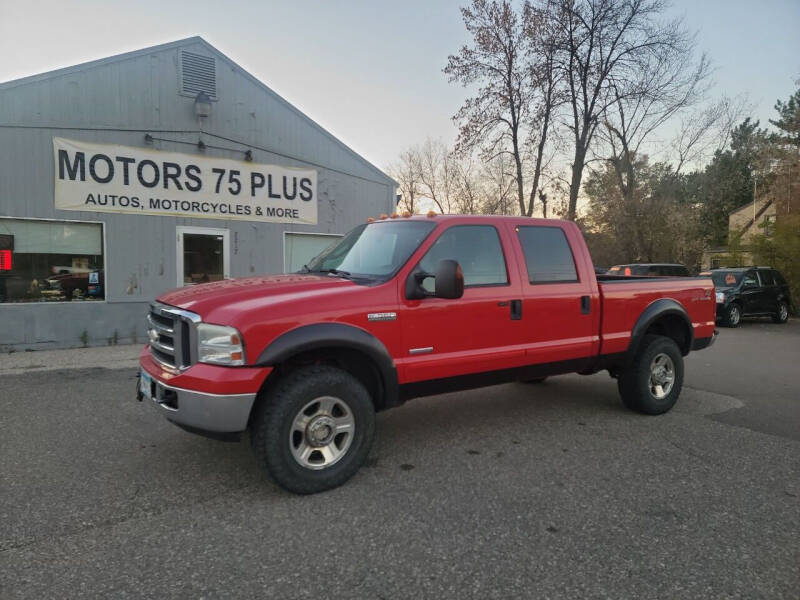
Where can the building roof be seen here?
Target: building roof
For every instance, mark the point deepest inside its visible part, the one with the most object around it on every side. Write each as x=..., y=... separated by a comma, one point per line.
x=176, y=44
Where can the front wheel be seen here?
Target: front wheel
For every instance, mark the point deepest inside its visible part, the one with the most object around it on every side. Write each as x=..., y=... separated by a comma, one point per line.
x=652, y=384
x=782, y=314
x=733, y=315
x=315, y=429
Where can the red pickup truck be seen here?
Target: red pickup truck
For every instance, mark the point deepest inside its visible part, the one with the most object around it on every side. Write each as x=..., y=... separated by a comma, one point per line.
x=401, y=308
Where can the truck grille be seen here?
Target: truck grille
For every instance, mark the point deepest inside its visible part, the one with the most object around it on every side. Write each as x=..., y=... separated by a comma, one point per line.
x=173, y=335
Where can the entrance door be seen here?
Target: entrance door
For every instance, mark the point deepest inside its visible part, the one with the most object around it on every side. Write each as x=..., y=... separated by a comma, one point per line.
x=300, y=248
x=203, y=255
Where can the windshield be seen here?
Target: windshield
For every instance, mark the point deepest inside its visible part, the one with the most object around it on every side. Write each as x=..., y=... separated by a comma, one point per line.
x=726, y=278
x=374, y=251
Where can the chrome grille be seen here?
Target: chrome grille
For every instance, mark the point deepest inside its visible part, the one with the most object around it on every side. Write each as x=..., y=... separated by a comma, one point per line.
x=173, y=335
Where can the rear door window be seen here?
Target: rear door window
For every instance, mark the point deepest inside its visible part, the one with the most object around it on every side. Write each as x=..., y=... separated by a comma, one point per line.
x=766, y=277
x=548, y=256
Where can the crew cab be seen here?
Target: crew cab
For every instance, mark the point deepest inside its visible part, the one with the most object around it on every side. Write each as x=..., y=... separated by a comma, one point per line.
x=402, y=308
x=750, y=292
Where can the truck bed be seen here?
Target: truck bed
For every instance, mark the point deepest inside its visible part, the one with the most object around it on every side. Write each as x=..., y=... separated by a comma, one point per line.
x=623, y=299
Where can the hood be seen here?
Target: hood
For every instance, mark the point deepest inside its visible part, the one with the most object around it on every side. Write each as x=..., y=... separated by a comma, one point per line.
x=251, y=292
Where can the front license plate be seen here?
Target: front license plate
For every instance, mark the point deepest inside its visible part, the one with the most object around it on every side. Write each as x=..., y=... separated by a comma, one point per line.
x=145, y=386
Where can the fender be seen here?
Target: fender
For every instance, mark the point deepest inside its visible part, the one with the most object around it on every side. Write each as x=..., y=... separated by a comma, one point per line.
x=328, y=335
x=658, y=309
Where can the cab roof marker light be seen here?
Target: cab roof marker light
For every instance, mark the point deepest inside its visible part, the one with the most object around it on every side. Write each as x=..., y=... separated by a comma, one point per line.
x=383, y=216
x=431, y=213
x=394, y=215
x=406, y=214
x=370, y=219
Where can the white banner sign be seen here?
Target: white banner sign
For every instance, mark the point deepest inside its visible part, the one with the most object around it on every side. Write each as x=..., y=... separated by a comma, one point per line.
x=140, y=181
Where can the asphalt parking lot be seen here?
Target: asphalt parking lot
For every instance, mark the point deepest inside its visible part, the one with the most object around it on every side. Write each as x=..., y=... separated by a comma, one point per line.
x=515, y=491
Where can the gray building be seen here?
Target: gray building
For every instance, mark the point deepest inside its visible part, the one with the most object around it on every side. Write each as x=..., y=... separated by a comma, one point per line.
x=129, y=176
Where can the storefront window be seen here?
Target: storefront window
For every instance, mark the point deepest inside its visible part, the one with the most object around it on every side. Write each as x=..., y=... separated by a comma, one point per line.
x=51, y=261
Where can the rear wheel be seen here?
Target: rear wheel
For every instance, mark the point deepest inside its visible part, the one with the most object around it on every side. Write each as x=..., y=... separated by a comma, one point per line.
x=315, y=429
x=782, y=314
x=652, y=384
x=733, y=315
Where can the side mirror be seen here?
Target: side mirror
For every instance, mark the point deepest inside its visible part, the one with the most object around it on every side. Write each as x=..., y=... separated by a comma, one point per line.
x=448, y=277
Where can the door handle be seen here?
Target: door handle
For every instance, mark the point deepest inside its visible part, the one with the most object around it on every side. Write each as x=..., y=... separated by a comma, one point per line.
x=586, y=305
x=516, y=310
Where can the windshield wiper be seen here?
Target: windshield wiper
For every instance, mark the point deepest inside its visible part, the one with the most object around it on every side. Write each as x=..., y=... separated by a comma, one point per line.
x=337, y=272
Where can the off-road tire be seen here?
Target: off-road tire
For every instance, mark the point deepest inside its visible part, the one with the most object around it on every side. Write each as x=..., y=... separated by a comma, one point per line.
x=634, y=382
x=731, y=318
x=782, y=313
x=272, y=423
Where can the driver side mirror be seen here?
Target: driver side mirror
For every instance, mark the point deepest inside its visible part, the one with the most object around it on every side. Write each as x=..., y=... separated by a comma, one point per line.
x=449, y=282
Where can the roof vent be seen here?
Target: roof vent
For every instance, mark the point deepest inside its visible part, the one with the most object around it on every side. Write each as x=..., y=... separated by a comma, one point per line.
x=198, y=74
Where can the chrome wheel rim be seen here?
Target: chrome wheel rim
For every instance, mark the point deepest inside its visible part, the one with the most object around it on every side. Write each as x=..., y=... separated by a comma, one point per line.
x=322, y=432
x=734, y=315
x=783, y=312
x=662, y=376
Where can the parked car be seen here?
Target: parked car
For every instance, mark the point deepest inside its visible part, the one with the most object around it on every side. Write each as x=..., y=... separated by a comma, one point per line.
x=403, y=308
x=750, y=292
x=650, y=270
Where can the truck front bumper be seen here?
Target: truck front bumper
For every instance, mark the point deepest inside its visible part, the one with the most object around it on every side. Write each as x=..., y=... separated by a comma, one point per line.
x=205, y=399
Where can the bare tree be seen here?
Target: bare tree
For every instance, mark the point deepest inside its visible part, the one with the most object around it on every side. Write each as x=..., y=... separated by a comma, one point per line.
x=608, y=46
x=467, y=186
x=407, y=174
x=707, y=130
x=511, y=59
x=437, y=172
x=499, y=185
x=666, y=83
x=543, y=43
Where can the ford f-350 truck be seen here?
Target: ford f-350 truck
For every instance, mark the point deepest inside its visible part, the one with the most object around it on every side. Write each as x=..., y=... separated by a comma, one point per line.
x=401, y=308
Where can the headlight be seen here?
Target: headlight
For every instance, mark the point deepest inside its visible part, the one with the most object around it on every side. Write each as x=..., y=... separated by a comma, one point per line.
x=720, y=297
x=219, y=345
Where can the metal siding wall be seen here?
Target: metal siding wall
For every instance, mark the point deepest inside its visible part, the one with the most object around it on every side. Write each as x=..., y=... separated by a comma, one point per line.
x=141, y=94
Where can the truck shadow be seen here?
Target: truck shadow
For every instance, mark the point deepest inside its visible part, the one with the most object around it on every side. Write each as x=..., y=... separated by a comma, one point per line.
x=491, y=420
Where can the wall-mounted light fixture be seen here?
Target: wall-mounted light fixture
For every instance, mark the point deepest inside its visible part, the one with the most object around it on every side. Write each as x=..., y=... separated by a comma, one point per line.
x=248, y=155
x=202, y=105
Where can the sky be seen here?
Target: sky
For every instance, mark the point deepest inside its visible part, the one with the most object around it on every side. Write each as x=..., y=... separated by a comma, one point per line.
x=370, y=72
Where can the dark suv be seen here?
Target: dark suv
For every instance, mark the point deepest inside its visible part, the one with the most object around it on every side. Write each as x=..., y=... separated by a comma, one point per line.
x=650, y=270
x=750, y=292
